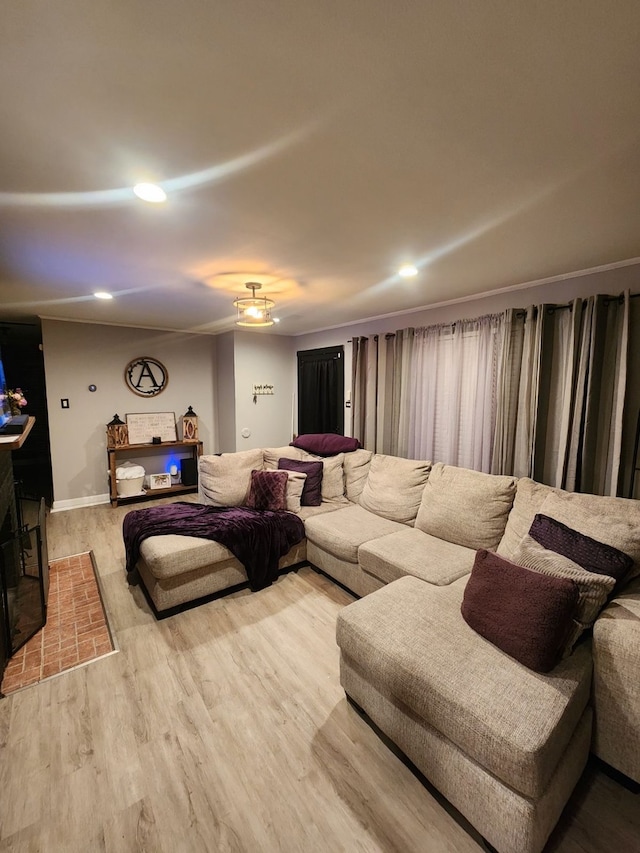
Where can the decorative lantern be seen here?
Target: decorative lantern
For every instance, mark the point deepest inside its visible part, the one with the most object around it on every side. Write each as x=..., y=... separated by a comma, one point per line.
x=117, y=433
x=189, y=425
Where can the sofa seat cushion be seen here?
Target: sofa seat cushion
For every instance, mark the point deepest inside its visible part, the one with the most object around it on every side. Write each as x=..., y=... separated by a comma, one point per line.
x=466, y=507
x=306, y=512
x=412, y=552
x=410, y=641
x=171, y=555
x=342, y=532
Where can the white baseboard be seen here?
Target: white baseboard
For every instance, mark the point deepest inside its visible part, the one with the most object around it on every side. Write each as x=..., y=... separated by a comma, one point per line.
x=76, y=503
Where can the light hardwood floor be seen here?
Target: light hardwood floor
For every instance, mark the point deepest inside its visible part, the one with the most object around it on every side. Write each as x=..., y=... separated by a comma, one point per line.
x=224, y=728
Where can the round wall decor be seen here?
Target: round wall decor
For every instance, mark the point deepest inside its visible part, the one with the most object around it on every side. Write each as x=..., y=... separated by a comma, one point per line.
x=146, y=377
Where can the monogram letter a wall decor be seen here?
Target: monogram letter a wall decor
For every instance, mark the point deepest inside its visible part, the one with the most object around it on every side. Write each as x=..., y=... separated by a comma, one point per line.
x=146, y=377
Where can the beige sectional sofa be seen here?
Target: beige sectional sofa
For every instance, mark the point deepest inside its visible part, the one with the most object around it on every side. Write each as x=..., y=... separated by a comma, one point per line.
x=505, y=745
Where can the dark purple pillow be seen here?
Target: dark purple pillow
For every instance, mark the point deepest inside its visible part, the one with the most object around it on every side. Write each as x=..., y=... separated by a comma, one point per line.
x=526, y=614
x=268, y=490
x=325, y=443
x=588, y=553
x=312, y=490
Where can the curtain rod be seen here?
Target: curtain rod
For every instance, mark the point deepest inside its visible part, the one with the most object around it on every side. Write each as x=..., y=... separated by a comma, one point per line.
x=522, y=313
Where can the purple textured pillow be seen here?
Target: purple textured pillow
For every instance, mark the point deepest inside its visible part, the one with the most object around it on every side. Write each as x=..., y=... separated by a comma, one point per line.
x=312, y=491
x=325, y=443
x=588, y=553
x=526, y=614
x=268, y=490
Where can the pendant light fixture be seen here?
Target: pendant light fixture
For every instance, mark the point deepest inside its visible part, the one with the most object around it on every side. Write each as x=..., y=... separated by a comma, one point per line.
x=254, y=311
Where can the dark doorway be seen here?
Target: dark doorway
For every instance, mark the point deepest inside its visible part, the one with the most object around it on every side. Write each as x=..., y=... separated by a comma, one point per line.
x=321, y=390
x=21, y=347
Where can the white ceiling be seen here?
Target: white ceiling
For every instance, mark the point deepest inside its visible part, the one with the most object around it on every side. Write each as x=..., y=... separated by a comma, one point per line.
x=318, y=143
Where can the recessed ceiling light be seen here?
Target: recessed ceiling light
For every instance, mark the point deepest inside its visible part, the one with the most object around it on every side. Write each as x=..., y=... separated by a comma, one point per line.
x=407, y=271
x=150, y=192
x=102, y=294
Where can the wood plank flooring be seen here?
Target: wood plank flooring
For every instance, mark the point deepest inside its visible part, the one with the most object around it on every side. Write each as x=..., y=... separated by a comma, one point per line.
x=224, y=728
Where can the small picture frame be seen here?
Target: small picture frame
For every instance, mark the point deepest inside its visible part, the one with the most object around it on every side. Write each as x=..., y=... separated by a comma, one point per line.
x=159, y=481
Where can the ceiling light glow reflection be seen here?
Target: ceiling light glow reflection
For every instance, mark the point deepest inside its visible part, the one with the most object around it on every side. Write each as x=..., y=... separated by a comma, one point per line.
x=407, y=271
x=102, y=294
x=150, y=192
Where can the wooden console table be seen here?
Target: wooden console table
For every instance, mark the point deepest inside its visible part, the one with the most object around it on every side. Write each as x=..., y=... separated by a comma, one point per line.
x=194, y=447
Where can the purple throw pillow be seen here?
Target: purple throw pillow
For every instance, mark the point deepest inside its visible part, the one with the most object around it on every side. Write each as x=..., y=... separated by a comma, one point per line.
x=526, y=614
x=312, y=490
x=325, y=443
x=268, y=490
x=591, y=555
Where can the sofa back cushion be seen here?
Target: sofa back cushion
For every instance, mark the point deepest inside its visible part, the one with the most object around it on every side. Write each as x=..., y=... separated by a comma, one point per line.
x=273, y=454
x=225, y=480
x=394, y=487
x=466, y=507
x=529, y=498
x=356, y=471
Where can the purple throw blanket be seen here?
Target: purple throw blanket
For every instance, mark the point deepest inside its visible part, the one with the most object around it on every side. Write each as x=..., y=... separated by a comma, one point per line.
x=257, y=538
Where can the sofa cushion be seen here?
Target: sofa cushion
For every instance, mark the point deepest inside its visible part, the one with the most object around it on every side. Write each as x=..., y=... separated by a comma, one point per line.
x=526, y=614
x=356, y=471
x=614, y=521
x=268, y=491
x=529, y=498
x=342, y=532
x=466, y=507
x=312, y=492
x=171, y=555
x=325, y=443
x=225, y=480
x=410, y=641
x=411, y=552
x=271, y=455
x=311, y=511
x=593, y=589
x=394, y=487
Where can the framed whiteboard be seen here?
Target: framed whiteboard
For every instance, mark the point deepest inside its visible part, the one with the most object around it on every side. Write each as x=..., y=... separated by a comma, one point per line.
x=145, y=426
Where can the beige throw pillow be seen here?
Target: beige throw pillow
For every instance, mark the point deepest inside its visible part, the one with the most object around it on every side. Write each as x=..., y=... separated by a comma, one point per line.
x=295, y=485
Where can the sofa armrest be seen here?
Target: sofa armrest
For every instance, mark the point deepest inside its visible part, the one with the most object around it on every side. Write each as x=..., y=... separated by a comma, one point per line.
x=616, y=682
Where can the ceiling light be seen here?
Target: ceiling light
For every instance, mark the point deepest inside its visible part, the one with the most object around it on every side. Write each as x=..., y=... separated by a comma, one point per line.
x=102, y=294
x=407, y=271
x=150, y=192
x=254, y=311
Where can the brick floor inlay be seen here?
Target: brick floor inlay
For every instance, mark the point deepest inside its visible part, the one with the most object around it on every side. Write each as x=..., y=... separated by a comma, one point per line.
x=76, y=630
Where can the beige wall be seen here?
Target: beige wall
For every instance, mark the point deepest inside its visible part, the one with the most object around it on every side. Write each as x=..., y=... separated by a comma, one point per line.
x=77, y=355
x=263, y=359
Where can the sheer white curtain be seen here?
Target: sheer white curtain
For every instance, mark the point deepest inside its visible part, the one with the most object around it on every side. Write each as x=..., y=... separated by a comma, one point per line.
x=452, y=405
